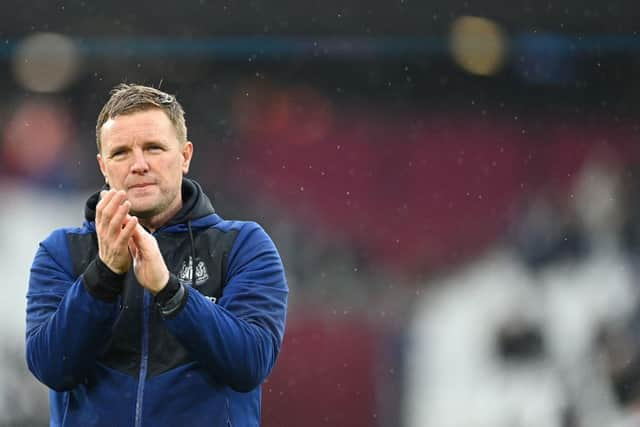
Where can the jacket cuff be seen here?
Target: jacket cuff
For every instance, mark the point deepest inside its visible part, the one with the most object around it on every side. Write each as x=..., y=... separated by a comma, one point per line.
x=172, y=298
x=101, y=282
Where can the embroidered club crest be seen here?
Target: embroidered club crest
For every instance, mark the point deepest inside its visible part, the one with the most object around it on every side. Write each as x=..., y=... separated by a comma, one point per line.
x=185, y=275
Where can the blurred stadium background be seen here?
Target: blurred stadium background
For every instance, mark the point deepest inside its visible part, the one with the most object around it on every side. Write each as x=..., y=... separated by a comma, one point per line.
x=453, y=186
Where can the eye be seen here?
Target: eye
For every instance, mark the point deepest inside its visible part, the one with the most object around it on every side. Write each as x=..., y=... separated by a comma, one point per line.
x=117, y=153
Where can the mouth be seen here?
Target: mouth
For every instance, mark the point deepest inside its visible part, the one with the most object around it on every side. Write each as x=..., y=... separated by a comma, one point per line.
x=140, y=185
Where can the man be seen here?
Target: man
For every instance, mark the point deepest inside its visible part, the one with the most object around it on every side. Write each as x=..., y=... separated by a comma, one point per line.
x=156, y=312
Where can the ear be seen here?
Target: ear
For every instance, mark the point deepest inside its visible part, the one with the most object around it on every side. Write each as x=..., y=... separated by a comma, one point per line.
x=187, y=154
x=103, y=168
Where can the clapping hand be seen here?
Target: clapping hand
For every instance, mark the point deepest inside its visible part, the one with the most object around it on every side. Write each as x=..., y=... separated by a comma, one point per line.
x=148, y=264
x=114, y=228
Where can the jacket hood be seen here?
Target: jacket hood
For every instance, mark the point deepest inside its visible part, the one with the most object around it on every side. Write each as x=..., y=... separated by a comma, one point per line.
x=195, y=204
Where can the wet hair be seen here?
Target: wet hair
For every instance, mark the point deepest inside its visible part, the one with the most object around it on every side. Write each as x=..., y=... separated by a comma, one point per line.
x=130, y=98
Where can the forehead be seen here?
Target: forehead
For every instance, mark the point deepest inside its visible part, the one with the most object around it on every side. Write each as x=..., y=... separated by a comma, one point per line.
x=138, y=127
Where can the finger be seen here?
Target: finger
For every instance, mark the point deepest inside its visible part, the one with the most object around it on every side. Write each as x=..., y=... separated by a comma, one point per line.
x=106, y=205
x=138, y=236
x=105, y=197
x=127, y=217
x=144, y=240
x=133, y=248
x=118, y=220
x=111, y=208
x=127, y=231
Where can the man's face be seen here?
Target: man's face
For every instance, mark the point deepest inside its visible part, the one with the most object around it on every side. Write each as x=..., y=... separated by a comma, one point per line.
x=141, y=155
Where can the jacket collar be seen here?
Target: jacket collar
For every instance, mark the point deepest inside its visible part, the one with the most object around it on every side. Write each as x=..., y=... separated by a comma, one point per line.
x=196, y=207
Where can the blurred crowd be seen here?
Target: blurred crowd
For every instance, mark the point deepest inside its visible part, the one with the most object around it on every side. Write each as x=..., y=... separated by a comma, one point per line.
x=543, y=328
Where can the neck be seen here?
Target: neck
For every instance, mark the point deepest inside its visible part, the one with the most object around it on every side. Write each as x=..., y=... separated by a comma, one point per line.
x=154, y=222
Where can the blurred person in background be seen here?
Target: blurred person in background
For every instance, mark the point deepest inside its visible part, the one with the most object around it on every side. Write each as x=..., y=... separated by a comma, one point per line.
x=156, y=311
x=540, y=331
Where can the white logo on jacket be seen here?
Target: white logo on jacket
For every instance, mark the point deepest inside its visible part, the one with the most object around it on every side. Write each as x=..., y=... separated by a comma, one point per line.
x=185, y=275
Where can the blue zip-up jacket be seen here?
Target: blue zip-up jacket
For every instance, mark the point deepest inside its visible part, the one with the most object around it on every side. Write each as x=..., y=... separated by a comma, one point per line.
x=113, y=355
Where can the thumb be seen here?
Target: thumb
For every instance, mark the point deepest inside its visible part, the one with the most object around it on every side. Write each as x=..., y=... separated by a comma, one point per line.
x=138, y=235
x=133, y=248
x=138, y=241
x=143, y=240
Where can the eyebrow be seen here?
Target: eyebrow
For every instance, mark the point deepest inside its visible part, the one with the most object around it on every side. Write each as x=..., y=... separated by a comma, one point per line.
x=144, y=144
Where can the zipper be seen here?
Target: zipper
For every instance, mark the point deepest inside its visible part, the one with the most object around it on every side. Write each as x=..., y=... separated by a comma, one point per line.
x=144, y=356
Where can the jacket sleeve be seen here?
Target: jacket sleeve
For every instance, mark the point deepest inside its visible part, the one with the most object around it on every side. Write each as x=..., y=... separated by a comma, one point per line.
x=238, y=339
x=66, y=325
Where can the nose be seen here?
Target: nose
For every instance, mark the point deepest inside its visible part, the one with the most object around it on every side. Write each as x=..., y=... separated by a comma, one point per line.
x=139, y=164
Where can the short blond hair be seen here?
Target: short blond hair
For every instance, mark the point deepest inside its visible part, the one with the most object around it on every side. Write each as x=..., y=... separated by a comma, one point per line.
x=130, y=98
